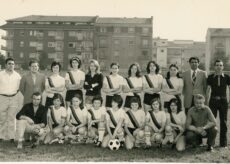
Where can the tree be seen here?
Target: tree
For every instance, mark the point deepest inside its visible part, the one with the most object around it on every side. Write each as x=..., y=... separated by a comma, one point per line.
x=43, y=60
x=2, y=61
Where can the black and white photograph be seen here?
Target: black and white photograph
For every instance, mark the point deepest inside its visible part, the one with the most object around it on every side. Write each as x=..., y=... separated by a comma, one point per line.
x=115, y=81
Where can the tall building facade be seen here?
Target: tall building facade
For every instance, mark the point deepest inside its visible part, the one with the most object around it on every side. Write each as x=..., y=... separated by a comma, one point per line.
x=218, y=47
x=48, y=38
x=177, y=52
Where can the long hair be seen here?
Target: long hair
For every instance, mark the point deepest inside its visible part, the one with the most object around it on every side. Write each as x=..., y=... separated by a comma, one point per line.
x=95, y=62
x=138, y=73
x=157, y=67
x=168, y=73
x=178, y=104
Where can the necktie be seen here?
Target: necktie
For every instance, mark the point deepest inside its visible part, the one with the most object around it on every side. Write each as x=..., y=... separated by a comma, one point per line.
x=194, y=77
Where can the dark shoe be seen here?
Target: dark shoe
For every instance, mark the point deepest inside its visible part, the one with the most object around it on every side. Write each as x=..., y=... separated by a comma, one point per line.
x=173, y=146
x=210, y=148
x=122, y=144
x=11, y=140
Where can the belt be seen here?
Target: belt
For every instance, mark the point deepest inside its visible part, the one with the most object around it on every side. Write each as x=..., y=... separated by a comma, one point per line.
x=9, y=95
x=218, y=97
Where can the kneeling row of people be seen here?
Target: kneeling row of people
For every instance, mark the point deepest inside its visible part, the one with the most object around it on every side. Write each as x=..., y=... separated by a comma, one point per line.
x=133, y=128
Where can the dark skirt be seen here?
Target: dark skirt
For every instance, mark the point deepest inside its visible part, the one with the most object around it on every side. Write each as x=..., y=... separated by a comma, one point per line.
x=149, y=97
x=71, y=93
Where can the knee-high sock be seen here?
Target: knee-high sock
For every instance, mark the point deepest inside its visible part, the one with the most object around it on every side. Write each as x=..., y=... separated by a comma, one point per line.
x=101, y=133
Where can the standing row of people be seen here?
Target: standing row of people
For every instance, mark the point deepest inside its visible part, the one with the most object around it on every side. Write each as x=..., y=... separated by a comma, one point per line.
x=150, y=86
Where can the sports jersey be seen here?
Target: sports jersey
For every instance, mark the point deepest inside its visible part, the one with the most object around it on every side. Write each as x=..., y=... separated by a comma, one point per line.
x=136, y=82
x=156, y=80
x=80, y=113
x=117, y=115
x=58, y=114
x=139, y=117
x=116, y=81
x=96, y=113
x=78, y=76
x=57, y=81
x=160, y=117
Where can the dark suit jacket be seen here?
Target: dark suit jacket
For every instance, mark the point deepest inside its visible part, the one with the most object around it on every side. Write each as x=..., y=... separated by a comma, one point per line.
x=198, y=88
x=27, y=86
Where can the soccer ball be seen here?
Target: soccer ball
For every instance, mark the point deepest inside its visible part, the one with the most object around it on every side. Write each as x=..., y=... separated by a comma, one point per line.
x=114, y=144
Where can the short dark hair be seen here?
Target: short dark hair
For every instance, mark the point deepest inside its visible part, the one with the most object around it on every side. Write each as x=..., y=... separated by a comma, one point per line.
x=33, y=61
x=114, y=63
x=168, y=73
x=80, y=98
x=154, y=100
x=76, y=59
x=199, y=97
x=9, y=59
x=54, y=63
x=157, y=67
x=135, y=99
x=218, y=61
x=194, y=58
x=36, y=94
x=138, y=73
x=58, y=96
x=117, y=99
x=99, y=98
x=178, y=104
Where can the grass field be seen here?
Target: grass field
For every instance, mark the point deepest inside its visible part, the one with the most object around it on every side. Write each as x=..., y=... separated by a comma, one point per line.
x=83, y=152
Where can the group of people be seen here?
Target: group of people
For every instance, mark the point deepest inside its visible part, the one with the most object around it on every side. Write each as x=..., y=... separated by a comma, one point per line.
x=139, y=110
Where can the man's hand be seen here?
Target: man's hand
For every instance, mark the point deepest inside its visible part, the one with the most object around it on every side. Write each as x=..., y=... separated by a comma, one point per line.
x=30, y=121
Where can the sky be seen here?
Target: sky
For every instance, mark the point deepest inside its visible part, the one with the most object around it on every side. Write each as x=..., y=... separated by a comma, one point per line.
x=172, y=19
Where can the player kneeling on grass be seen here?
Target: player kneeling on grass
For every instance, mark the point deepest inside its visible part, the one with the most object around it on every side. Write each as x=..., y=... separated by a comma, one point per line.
x=77, y=119
x=155, y=124
x=175, y=126
x=134, y=124
x=115, y=117
x=56, y=117
x=96, y=120
x=31, y=119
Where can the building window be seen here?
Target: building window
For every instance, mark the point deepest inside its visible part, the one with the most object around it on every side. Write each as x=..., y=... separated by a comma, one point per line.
x=21, y=44
x=145, y=30
x=22, y=33
x=59, y=35
x=117, y=29
x=103, y=30
x=33, y=44
x=131, y=30
x=116, y=53
x=102, y=43
x=51, y=33
x=72, y=33
x=39, y=46
x=59, y=46
x=51, y=44
x=162, y=51
x=31, y=33
x=145, y=53
x=32, y=55
x=71, y=56
x=39, y=33
x=79, y=35
x=116, y=42
x=10, y=33
x=145, y=43
x=102, y=55
x=154, y=43
x=21, y=55
x=71, y=44
x=131, y=42
x=52, y=55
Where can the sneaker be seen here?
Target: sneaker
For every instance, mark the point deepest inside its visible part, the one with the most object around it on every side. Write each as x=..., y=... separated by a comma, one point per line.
x=19, y=145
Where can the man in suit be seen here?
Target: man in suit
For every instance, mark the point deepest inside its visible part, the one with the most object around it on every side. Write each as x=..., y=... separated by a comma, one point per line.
x=32, y=82
x=194, y=83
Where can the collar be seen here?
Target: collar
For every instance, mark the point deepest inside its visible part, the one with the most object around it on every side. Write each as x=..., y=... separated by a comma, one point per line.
x=217, y=75
x=195, y=70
